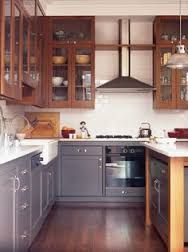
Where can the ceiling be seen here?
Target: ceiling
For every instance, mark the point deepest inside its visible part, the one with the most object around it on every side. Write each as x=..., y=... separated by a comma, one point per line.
x=113, y=7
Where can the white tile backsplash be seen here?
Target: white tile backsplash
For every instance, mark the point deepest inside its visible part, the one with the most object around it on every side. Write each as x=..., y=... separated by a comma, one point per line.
x=122, y=114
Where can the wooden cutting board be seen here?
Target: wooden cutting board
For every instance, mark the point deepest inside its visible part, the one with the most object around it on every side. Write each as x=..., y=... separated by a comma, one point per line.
x=44, y=124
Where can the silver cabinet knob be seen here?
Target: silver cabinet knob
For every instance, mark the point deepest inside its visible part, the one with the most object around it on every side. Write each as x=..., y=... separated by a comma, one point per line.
x=24, y=206
x=163, y=171
x=24, y=172
x=85, y=150
x=74, y=42
x=100, y=166
x=25, y=188
x=124, y=192
x=78, y=150
x=24, y=236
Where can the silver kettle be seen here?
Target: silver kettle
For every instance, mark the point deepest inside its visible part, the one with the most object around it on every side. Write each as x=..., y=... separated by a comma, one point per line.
x=145, y=130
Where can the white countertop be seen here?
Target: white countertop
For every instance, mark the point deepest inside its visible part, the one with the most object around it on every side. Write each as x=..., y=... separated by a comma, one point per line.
x=105, y=140
x=17, y=152
x=178, y=149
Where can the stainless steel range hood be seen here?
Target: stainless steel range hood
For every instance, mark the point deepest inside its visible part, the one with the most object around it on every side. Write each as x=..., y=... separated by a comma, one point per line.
x=124, y=83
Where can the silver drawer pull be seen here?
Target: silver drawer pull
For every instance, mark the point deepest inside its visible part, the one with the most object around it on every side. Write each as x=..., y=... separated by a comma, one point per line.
x=124, y=192
x=100, y=166
x=157, y=185
x=24, y=172
x=24, y=236
x=163, y=171
x=18, y=184
x=78, y=150
x=24, y=206
x=100, y=159
x=85, y=150
x=25, y=188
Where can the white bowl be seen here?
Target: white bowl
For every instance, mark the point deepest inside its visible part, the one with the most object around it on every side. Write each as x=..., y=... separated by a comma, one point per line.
x=57, y=81
x=20, y=136
x=65, y=83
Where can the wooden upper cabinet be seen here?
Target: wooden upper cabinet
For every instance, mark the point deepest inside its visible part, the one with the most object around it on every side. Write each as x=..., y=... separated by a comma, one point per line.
x=72, y=30
x=71, y=62
x=10, y=49
x=171, y=84
x=33, y=53
x=167, y=30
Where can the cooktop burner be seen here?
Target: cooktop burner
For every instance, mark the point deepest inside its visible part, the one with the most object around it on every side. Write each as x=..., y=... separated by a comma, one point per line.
x=113, y=136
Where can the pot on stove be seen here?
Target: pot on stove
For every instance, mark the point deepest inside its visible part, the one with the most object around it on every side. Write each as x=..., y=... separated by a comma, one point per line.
x=145, y=130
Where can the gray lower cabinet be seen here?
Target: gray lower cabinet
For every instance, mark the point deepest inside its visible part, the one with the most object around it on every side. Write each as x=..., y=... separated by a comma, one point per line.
x=8, y=184
x=23, y=204
x=48, y=185
x=15, y=207
x=159, y=196
x=43, y=194
x=36, y=199
x=81, y=171
x=26, y=197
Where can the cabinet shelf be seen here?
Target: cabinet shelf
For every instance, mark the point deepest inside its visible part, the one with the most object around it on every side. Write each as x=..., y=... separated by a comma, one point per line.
x=60, y=86
x=113, y=47
x=59, y=65
x=83, y=65
x=82, y=86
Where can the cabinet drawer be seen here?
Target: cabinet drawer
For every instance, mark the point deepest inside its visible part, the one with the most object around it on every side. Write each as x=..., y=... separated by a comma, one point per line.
x=126, y=192
x=82, y=150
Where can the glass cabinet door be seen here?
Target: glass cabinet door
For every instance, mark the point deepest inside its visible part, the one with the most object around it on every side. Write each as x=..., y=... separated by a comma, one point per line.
x=72, y=29
x=60, y=76
x=10, y=47
x=17, y=17
x=33, y=53
x=182, y=88
x=83, y=74
x=26, y=31
x=7, y=44
x=165, y=80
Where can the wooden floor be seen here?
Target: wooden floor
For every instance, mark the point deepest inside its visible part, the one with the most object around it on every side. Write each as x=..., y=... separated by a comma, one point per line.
x=97, y=229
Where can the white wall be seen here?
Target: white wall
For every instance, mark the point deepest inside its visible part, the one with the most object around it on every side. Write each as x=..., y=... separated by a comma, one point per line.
x=122, y=114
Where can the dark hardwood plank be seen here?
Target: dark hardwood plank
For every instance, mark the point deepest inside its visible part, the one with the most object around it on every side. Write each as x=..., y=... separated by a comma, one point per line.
x=97, y=229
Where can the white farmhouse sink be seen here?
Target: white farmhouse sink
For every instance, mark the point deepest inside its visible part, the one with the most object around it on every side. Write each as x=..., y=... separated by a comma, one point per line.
x=49, y=148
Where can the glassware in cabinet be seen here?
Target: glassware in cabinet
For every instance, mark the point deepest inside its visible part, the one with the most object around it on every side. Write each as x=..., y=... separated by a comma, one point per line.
x=83, y=74
x=73, y=29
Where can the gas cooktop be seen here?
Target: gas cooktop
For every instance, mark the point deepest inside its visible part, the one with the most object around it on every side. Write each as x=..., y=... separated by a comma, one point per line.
x=114, y=136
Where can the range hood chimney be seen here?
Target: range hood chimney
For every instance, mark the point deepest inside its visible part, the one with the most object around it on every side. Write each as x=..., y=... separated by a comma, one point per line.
x=124, y=83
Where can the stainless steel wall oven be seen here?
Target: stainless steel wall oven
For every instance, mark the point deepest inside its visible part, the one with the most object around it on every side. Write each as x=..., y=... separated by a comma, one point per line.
x=124, y=170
